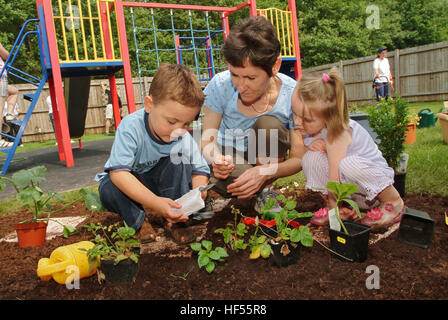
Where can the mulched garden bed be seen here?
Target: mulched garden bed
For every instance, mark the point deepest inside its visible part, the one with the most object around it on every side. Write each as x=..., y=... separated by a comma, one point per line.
x=406, y=271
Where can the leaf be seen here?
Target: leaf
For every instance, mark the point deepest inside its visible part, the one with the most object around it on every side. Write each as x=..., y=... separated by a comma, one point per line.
x=2, y=185
x=222, y=252
x=210, y=267
x=203, y=260
x=354, y=206
x=22, y=178
x=290, y=205
x=92, y=201
x=69, y=231
x=214, y=255
x=207, y=245
x=266, y=250
x=255, y=252
x=295, y=235
x=196, y=246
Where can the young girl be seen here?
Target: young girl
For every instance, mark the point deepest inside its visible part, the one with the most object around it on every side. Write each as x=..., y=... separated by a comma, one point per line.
x=342, y=150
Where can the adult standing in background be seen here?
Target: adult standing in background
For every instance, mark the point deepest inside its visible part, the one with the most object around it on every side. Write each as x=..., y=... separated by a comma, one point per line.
x=383, y=77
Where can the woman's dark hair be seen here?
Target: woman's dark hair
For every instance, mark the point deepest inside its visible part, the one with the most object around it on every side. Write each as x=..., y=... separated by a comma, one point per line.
x=253, y=40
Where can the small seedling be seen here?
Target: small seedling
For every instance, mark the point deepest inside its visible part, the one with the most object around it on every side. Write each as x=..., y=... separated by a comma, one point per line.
x=207, y=256
x=234, y=233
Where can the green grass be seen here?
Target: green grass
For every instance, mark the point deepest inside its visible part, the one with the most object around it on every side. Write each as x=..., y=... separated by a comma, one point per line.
x=28, y=146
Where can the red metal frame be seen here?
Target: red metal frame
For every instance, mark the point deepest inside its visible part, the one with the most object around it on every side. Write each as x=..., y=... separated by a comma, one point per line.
x=295, y=30
x=56, y=89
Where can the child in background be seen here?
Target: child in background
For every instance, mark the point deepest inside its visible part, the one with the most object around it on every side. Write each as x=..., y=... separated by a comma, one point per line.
x=140, y=175
x=343, y=151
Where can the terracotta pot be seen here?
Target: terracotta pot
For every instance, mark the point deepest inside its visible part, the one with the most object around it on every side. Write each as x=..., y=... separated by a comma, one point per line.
x=31, y=234
x=411, y=135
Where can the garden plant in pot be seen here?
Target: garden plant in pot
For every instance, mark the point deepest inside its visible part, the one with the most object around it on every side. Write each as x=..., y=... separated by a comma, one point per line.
x=32, y=232
x=116, y=250
x=285, y=239
x=390, y=119
x=350, y=243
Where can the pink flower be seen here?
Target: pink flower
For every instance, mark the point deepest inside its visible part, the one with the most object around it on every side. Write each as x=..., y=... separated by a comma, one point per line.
x=374, y=214
x=322, y=212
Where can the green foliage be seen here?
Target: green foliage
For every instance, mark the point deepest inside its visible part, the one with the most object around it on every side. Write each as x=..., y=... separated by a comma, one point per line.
x=234, y=233
x=29, y=192
x=207, y=255
x=389, y=120
x=341, y=192
x=113, y=242
x=260, y=244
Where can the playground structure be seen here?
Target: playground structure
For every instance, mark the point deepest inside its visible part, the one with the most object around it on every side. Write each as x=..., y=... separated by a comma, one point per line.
x=81, y=39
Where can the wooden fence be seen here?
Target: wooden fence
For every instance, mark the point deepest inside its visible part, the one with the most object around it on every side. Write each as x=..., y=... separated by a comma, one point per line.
x=39, y=127
x=420, y=74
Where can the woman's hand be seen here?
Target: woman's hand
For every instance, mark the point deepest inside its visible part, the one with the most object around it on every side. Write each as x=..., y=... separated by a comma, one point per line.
x=247, y=184
x=164, y=207
x=222, y=166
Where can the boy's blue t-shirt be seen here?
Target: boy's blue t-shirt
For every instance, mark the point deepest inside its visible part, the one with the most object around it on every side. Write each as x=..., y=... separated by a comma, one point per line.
x=137, y=150
x=222, y=97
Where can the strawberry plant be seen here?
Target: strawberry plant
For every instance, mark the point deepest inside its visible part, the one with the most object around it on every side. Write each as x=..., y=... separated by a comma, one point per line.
x=234, y=233
x=207, y=255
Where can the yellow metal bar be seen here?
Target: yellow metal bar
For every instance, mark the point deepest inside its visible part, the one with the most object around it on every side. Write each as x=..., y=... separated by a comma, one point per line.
x=118, y=33
x=288, y=30
x=81, y=22
x=292, y=35
x=92, y=33
x=101, y=28
x=282, y=22
x=64, y=38
x=75, y=42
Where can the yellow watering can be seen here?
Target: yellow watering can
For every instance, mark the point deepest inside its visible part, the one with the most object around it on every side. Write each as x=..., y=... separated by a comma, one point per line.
x=62, y=261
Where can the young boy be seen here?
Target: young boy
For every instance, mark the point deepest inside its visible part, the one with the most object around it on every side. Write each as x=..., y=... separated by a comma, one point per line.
x=143, y=173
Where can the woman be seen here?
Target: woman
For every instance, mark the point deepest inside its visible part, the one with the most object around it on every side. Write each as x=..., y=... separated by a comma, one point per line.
x=243, y=104
x=382, y=74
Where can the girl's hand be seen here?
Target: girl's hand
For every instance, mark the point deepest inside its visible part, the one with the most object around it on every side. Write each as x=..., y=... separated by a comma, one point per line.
x=164, y=207
x=247, y=184
x=318, y=145
x=222, y=166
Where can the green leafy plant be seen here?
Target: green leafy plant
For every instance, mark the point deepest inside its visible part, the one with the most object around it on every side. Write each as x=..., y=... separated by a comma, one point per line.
x=389, y=119
x=341, y=192
x=113, y=242
x=29, y=192
x=259, y=245
x=207, y=255
x=234, y=233
x=283, y=232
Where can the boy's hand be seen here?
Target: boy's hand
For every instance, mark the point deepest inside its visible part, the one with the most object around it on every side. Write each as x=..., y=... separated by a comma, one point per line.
x=164, y=206
x=222, y=166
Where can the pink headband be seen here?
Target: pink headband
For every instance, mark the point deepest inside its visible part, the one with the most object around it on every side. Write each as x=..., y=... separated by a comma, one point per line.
x=325, y=77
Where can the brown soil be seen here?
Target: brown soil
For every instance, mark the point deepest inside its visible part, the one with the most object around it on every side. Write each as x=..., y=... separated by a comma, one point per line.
x=406, y=271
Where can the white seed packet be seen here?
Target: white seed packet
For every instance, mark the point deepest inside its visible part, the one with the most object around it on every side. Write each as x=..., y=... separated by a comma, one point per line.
x=334, y=222
x=190, y=202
